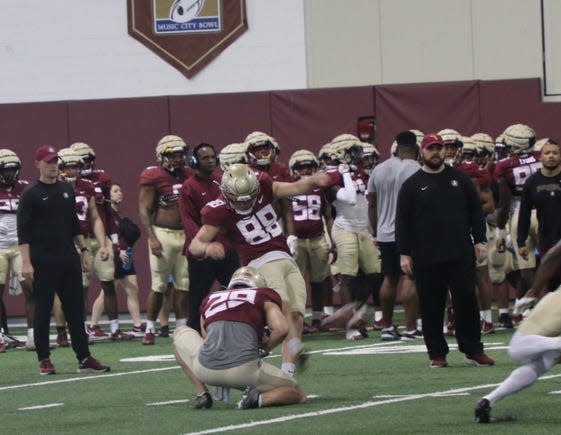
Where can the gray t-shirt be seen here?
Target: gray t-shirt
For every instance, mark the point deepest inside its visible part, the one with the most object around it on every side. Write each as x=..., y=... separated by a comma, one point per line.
x=228, y=344
x=386, y=180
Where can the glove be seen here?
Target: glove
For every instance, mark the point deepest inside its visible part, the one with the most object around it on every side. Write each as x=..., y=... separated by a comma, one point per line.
x=343, y=168
x=524, y=304
x=291, y=242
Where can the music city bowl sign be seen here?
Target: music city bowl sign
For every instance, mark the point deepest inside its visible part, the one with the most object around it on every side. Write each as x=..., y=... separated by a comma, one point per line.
x=187, y=34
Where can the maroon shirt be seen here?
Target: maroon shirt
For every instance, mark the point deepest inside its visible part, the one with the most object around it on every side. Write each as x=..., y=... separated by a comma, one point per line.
x=307, y=211
x=84, y=191
x=167, y=186
x=9, y=196
x=516, y=170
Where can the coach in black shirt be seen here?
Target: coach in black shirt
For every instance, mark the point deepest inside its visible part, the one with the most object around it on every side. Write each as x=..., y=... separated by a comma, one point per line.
x=48, y=227
x=439, y=219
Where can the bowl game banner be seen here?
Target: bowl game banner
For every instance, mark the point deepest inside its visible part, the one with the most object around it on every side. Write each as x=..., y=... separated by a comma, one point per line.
x=187, y=34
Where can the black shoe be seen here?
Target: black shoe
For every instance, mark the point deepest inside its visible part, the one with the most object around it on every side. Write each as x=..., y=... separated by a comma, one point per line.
x=483, y=411
x=203, y=401
x=164, y=331
x=505, y=321
x=250, y=399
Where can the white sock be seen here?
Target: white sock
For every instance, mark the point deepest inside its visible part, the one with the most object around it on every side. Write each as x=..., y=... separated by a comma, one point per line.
x=520, y=378
x=294, y=345
x=377, y=316
x=150, y=326
x=30, y=335
x=486, y=315
x=180, y=322
x=328, y=310
x=288, y=368
x=114, y=324
x=86, y=326
x=420, y=324
x=503, y=311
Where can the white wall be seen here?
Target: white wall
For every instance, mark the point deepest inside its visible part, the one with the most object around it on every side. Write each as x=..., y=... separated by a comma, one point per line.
x=80, y=49
x=421, y=40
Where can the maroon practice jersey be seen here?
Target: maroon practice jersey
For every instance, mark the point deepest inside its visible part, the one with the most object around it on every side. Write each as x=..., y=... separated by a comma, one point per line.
x=278, y=171
x=307, y=210
x=360, y=180
x=516, y=170
x=9, y=196
x=195, y=193
x=473, y=170
x=255, y=234
x=84, y=191
x=167, y=186
x=246, y=305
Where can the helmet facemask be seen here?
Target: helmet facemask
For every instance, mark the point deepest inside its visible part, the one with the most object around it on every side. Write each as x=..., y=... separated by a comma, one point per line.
x=9, y=173
x=261, y=153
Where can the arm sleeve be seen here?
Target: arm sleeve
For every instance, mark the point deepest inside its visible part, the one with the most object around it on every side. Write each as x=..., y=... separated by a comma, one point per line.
x=403, y=229
x=24, y=218
x=347, y=193
x=525, y=214
x=477, y=216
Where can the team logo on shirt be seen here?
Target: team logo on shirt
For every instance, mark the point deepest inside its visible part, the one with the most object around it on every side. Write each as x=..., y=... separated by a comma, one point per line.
x=454, y=183
x=65, y=195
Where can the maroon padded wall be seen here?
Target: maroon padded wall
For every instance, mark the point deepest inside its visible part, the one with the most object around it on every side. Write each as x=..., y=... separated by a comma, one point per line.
x=311, y=118
x=429, y=107
x=219, y=119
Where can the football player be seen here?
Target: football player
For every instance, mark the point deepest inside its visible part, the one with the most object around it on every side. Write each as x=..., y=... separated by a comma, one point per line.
x=11, y=187
x=537, y=341
x=196, y=192
x=482, y=181
x=245, y=211
x=452, y=145
x=356, y=251
x=232, y=153
x=238, y=324
x=312, y=213
x=159, y=214
x=105, y=270
x=511, y=173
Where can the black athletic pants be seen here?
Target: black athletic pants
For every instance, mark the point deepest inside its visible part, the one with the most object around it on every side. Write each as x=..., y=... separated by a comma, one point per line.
x=433, y=282
x=63, y=274
x=202, y=274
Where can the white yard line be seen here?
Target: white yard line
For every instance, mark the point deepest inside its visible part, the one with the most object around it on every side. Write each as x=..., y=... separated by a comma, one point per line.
x=32, y=408
x=169, y=402
x=86, y=378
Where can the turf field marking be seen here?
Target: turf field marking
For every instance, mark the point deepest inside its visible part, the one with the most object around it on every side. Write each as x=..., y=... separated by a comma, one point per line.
x=32, y=408
x=86, y=378
x=169, y=402
x=364, y=405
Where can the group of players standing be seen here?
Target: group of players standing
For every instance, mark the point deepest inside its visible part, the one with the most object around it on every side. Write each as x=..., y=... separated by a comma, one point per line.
x=285, y=222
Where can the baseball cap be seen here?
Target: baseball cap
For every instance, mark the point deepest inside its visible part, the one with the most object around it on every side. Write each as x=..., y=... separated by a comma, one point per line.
x=46, y=153
x=430, y=139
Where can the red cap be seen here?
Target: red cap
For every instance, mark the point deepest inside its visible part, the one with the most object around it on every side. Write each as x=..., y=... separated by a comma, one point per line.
x=46, y=153
x=431, y=139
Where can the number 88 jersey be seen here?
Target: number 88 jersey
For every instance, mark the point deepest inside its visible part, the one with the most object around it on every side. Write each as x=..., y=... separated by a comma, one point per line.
x=254, y=234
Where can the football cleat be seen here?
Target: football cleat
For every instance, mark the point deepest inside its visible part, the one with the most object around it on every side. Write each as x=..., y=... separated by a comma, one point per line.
x=249, y=400
x=390, y=334
x=96, y=331
x=483, y=411
x=203, y=401
x=46, y=367
x=438, y=363
x=119, y=335
x=479, y=360
x=505, y=321
x=148, y=338
x=163, y=331
x=62, y=339
x=487, y=327
x=90, y=364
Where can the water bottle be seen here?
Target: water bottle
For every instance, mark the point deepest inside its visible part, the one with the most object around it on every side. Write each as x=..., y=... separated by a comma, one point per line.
x=128, y=264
